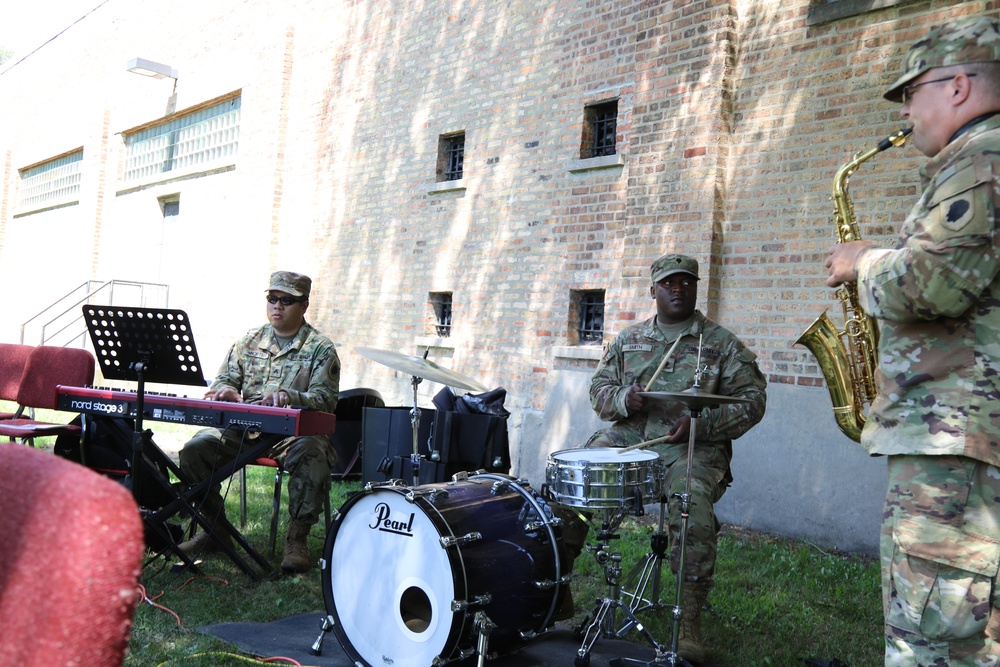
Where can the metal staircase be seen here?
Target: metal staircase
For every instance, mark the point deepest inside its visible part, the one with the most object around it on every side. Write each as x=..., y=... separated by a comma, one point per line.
x=61, y=323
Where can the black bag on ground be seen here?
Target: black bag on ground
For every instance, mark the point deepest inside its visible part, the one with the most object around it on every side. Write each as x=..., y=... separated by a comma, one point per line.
x=106, y=447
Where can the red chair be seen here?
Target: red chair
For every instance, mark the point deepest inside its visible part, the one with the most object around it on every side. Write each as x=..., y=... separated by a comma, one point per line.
x=47, y=367
x=13, y=358
x=72, y=553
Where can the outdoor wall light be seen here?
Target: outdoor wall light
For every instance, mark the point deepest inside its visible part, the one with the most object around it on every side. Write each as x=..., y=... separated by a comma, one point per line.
x=149, y=68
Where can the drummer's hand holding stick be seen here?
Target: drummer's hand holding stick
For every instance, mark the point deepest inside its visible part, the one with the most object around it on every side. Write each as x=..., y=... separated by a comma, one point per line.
x=679, y=433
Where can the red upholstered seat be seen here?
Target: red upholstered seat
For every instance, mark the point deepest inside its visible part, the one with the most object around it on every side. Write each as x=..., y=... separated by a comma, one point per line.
x=47, y=368
x=70, y=561
x=13, y=358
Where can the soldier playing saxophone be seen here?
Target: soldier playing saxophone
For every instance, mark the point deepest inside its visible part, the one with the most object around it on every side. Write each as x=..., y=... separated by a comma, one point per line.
x=936, y=415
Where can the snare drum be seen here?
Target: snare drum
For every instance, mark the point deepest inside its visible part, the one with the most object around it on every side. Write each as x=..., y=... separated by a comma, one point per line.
x=603, y=477
x=406, y=570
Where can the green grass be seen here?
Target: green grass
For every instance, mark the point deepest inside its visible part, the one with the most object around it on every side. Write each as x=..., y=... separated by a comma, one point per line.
x=776, y=601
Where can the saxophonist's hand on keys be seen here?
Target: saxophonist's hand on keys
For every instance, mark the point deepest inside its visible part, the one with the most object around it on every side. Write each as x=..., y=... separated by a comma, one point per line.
x=842, y=260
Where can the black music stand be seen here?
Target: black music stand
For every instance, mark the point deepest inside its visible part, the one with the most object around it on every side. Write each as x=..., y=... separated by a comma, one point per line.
x=140, y=344
x=157, y=345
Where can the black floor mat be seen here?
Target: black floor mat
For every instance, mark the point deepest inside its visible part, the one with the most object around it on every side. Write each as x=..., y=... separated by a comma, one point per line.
x=293, y=637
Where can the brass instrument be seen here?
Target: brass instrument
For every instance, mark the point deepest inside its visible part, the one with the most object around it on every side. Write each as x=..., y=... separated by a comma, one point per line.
x=849, y=368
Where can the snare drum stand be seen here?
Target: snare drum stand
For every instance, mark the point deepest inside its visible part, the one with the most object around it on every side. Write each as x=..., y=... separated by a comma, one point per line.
x=603, y=623
x=648, y=570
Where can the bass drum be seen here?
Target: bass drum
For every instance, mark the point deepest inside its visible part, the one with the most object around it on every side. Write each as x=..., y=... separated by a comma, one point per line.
x=406, y=570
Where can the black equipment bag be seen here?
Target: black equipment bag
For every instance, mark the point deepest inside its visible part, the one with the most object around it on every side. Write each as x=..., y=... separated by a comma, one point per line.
x=106, y=447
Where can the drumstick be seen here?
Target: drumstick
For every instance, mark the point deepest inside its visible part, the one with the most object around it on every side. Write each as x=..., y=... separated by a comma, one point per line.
x=663, y=363
x=655, y=441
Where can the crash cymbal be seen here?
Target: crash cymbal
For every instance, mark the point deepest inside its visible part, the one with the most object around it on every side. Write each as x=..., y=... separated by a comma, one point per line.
x=421, y=368
x=693, y=398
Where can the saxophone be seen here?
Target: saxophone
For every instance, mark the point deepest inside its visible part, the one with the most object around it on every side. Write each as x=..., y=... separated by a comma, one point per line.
x=849, y=367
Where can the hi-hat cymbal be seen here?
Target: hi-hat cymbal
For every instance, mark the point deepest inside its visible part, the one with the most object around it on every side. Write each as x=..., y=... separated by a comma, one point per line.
x=693, y=398
x=421, y=368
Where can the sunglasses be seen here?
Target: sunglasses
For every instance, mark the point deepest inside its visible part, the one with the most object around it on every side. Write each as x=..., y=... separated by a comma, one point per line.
x=285, y=300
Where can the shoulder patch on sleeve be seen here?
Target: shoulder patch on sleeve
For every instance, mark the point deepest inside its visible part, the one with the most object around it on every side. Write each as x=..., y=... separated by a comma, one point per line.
x=955, y=201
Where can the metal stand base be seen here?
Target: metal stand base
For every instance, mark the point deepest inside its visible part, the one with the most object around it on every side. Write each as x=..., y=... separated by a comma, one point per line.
x=641, y=590
x=602, y=619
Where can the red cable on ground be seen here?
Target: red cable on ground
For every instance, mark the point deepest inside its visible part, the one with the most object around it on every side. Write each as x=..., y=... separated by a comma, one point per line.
x=145, y=598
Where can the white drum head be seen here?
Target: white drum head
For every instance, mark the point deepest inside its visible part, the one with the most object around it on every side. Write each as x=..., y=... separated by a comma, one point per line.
x=392, y=581
x=604, y=455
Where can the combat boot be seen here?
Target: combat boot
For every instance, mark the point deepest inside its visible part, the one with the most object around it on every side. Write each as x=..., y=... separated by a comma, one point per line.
x=689, y=638
x=202, y=543
x=296, y=556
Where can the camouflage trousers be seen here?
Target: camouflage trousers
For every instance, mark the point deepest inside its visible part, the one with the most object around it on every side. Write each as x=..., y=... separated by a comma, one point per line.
x=708, y=469
x=940, y=550
x=308, y=461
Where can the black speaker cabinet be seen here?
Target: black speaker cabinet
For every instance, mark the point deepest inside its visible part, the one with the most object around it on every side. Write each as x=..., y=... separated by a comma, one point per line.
x=387, y=437
x=461, y=442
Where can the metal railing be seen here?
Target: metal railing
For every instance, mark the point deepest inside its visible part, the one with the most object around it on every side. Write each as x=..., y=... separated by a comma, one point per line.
x=61, y=323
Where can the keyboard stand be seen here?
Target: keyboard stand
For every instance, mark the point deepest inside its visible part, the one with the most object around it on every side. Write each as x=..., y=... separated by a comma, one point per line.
x=186, y=497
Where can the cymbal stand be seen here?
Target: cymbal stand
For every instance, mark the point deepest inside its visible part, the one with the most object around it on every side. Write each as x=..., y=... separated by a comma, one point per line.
x=685, y=498
x=695, y=405
x=647, y=572
x=602, y=619
x=415, y=426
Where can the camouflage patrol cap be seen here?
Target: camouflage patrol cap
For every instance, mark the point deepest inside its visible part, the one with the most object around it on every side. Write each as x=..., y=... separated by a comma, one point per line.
x=973, y=39
x=295, y=284
x=668, y=265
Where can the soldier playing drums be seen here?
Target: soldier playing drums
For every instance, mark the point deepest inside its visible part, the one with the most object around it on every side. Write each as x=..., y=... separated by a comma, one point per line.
x=728, y=368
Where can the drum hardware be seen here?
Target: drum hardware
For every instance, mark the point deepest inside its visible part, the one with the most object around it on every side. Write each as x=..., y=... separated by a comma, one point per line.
x=419, y=369
x=484, y=626
x=460, y=541
x=317, y=646
x=649, y=569
x=602, y=619
x=430, y=494
x=479, y=600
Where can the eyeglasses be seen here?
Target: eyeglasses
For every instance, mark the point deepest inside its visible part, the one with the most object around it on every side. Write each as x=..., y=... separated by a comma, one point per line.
x=285, y=300
x=908, y=90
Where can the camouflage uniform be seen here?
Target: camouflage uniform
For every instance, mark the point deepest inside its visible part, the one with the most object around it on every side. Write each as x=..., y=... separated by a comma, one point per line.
x=937, y=414
x=632, y=357
x=308, y=370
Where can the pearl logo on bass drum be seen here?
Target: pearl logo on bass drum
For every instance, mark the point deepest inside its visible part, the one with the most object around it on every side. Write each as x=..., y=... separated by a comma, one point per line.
x=385, y=524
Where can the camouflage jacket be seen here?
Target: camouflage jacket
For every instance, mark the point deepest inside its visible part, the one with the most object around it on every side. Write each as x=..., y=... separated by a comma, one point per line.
x=937, y=300
x=635, y=354
x=308, y=368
